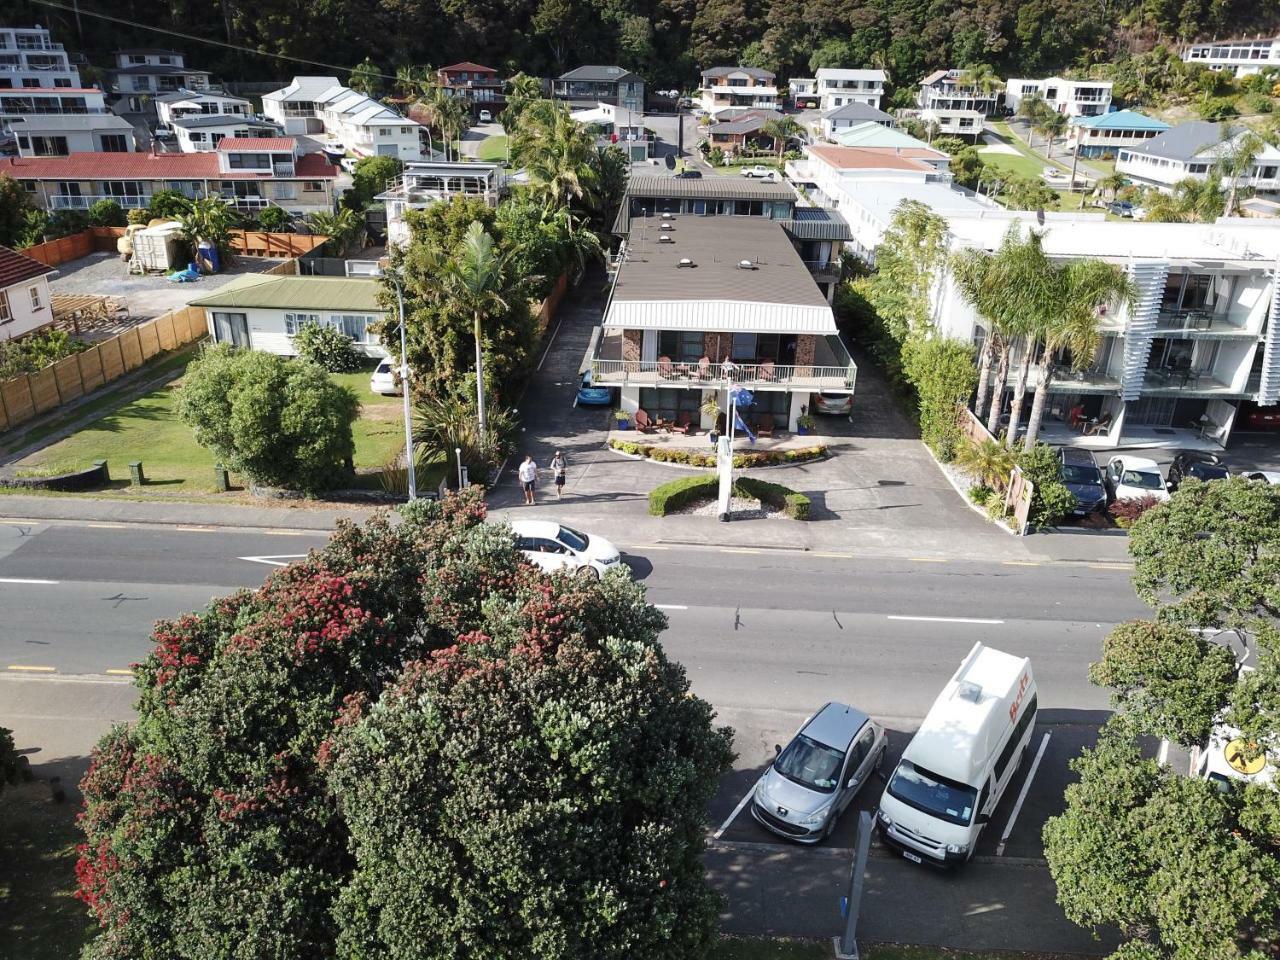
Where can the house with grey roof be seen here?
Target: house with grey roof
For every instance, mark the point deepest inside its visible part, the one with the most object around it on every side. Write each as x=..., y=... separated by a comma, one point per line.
x=727, y=88
x=584, y=87
x=59, y=135
x=740, y=130
x=187, y=103
x=1192, y=150
x=849, y=116
x=142, y=73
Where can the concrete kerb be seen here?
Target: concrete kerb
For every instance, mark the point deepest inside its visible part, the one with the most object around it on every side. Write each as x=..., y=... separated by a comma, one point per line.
x=964, y=496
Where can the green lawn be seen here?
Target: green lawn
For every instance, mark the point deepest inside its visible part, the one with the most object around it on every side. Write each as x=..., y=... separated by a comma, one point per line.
x=1016, y=164
x=149, y=430
x=493, y=149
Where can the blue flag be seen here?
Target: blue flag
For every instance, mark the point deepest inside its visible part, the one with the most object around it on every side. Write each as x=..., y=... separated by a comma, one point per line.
x=738, y=424
x=742, y=397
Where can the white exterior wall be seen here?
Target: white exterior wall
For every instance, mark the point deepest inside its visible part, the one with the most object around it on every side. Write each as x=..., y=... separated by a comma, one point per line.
x=25, y=317
x=1164, y=172
x=267, y=329
x=1068, y=95
x=1238, y=57
x=78, y=141
x=188, y=142
x=865, y=86
x=366, y=140
x=166, y=111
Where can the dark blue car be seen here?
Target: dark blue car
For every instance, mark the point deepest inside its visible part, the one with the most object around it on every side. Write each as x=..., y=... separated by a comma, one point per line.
x=589, y=396
x=1080, y=474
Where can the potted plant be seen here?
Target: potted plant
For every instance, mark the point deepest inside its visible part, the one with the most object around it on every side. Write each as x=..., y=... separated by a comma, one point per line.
x=621, y=420
x=804, y=423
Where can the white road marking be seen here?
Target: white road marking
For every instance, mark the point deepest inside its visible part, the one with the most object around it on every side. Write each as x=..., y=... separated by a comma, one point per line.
x=29, y=669
x=24, y=580
x=275, y=559
x=893, y=616
x=554, y=333
x=736, y=810
x=1017, y=807
x=670, y=606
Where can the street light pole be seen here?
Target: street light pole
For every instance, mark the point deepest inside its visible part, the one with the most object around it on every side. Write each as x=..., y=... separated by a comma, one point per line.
x=404, y=389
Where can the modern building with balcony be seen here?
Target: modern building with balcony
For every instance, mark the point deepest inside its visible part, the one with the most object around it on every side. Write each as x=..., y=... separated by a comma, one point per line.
x=1174, y=369
x=1192, y=149
x=727, y=88
x=1071, y=98
x=316, y=106
x=478, y=83
x=58, y=135
x=29, y=58
x=838, y=87
x=956, y=107
x=423, y=184
x=1238, y=57
x=700, y=303
x=18, y=107
x=198, y=132
x=250, y=174
x=817, y=235
x=200, y=103
x=140, y=74
x=1108, y=134
x=587, y=86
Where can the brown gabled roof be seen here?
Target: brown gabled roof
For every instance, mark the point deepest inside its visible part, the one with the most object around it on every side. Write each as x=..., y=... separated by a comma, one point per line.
x=468, y=66
x=16, y=267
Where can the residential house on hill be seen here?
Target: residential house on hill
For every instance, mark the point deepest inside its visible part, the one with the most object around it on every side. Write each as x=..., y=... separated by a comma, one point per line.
x=1105, y=135
x=321, y=105
x=727, y=88
x=57, y=135
x=740, y=130
x=197, y=132
x=1237, y=57
x=30, y=58
x=957, y=107
x=25, y=304
x=478, y=83
x=424, y=183
x=200, y=103
x=849, y=116
x=1071, y=98
x=1192, y=149
x=143, y=73
x=587, y=86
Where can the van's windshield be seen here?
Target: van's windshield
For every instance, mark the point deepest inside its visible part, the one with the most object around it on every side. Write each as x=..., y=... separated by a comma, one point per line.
x=935, y=795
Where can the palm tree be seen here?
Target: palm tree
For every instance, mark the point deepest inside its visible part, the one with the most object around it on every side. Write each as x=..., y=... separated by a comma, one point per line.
x=522, y=90
x=446, y=424
x=342, y=228
x=1110, y=184
x=556, y=153
x=1032, y=109
x=1193, y=200
x=1072, y=300
x=981, y=77
x=781, y=129
x=988, y=461
x=1051, y=125
x=477, y=279
x=1237, y=152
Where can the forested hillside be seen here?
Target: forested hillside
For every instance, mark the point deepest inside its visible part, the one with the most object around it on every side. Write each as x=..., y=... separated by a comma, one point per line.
x=667, y=41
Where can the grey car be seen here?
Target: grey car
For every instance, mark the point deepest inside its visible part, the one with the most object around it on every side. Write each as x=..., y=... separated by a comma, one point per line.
x=813, y=780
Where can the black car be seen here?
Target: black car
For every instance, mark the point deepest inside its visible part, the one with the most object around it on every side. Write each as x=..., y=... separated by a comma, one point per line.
x=1195, y=465
x=1080, y=474
x=689, y=174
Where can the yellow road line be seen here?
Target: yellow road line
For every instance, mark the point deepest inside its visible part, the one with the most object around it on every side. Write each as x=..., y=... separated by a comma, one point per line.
x=1020, y=563
x=835, y=556
x=29, y=669
x=928, y=560
x=108, y=526
x=120, y=673
x=737, y=550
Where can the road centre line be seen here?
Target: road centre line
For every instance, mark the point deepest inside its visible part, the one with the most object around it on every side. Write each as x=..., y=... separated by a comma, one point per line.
x=738, y=550
x=736, y=810
x=894, y=616
x=119, y=673
x=1020, y=563
x=108, y=526
x=1026, y=786
x=23, y=668
x=26, y=580
x=928, y=559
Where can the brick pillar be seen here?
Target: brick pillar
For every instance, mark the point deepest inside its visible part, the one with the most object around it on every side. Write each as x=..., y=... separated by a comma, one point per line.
x=805, y=347
x=714, y=346
x=632, y=341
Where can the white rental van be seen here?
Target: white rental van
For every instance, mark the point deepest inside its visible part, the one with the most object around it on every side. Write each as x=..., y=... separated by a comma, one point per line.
x=959, y=763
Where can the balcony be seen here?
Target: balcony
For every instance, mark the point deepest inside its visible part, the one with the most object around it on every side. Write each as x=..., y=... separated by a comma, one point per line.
x=49, y=110
x=1199, y=324
x=824, y=271
x=1183, y=381
x=69, y=202
x=282, y=170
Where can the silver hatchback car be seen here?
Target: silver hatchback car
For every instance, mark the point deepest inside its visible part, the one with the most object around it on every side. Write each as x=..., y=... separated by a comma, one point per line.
x=813, y=780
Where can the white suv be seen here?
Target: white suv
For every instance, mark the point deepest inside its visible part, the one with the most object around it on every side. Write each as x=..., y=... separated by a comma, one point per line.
x=762, y=172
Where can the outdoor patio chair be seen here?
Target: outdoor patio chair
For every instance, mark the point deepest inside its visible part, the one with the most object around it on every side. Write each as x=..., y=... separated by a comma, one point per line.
x=682, y=424
x=643, y=423
x=665, y=370
x=704, y=369
x=767, y=372
x=764, y=426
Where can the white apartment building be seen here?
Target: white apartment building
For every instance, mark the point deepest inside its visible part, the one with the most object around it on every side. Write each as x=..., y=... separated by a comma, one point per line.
x=143, y=73
x=731, y=88
x=1071, y=98
x=57, y=135
x=28, y=58
x=838, y=87
x=1201, y=339
x=321, y=105
x=424, y=183
x=1239, y=57
x=957, y=108
x=1190, y=150
x=30, y=104
x=200, y=103
x=197, y=133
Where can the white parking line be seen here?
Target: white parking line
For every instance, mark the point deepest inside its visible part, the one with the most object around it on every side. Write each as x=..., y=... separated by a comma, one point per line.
x=23, y=580
x=275, y=559
x=1017, y=807
x=941, y=619
x=736, y=810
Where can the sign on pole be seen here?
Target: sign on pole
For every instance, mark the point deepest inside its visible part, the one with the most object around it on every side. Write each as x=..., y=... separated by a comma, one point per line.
x=847, y=945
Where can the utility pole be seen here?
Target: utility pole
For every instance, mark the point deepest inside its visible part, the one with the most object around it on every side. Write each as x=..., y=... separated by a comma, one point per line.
x=846, y=946
x=1075, y=156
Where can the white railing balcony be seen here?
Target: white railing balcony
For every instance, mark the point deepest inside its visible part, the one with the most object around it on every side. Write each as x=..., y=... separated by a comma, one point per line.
x=246, y=203
x=68, y=202
x=282, y=170
x=761, y=375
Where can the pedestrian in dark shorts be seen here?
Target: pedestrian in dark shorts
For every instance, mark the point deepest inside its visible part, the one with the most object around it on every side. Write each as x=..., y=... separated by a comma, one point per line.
x=557, y=469
x=528, y=477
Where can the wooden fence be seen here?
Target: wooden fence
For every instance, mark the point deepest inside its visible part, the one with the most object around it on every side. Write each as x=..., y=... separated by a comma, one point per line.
x=253, y=243
x=28, y=396
x=1018, y=489
x=547, y=309
x=246, y=243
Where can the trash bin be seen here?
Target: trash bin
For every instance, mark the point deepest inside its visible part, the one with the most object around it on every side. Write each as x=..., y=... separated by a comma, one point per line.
x=207, y=255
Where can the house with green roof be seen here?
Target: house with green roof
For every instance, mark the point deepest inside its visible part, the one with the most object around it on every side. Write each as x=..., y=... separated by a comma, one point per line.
x=873, y=134
x=263, y=312
x=1108, y=133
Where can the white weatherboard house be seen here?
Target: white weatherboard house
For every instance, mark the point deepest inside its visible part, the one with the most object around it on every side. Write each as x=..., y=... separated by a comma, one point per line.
x=29, y=58
x=24, y=294
x=424, y=183
x=1191, y=149
x=200, y=103
x=59, y=134
x=1071, y=98
x=321, y=105
x=1238, y=57
x=200, y=132
x=262, y=312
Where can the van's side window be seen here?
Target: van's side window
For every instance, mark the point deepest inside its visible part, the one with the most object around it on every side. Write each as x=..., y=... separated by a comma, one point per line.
x=1015, y=738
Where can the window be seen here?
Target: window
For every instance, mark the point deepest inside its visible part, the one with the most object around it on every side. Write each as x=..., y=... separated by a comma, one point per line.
x=197, y=137
x=1015, y=738
x=49, y=146
x=249, y=161
x=6, y=315
x=36, y=303
x=122, y=188
x=672, y=404
x=114, y=143
x=684, y=346
x=354, y=325
x=384, y=131
x=136, y=59
x=293, y=322
x=313, y=186
x=167, y=61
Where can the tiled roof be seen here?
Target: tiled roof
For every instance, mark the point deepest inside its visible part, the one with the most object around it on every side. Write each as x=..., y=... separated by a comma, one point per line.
x=278, y=144
x=16, y=267
x=866, y=158
x=468, y=66
x=148, y=166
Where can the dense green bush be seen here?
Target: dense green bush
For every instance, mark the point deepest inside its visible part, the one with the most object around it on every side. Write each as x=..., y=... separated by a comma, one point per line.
x=944, y=375
x=678, y=494
x=280, y=422
x=1051, y=501
x=275, y=220
x=107, y=213
x=34, y=353
x=1217, y=108
x=1259, y=102
x=327, y=346
x=167, y=204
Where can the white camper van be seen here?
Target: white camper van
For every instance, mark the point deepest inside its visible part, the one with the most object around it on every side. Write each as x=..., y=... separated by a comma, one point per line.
x=959, y=763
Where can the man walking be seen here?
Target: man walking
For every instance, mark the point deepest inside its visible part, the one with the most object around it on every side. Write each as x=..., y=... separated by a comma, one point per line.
x=528, y=476
x=557, y=471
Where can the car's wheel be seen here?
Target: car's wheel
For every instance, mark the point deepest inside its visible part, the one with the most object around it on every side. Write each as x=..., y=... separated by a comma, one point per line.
x=588, y=572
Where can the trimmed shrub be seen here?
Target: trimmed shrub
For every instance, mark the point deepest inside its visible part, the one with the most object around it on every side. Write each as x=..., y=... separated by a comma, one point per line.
x=327, y=346
x=795, y=505
x=695, y=458
x=1125, y=512
x=107, y=213
x=677, y=494
x=275, y=220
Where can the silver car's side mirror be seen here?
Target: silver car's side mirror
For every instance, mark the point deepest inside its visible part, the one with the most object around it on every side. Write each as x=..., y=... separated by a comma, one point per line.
x=777, y=748
x=853, y=782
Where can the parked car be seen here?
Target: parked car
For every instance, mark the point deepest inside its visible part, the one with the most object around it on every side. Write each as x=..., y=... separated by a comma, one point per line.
x=761, y=172
x=554, y=547
x=688, y=173
x=813, y=780
x=1121, y=208
x=164, y=132
x=1265, y=476
x=1195, y=465
x=383, y=380
x=1130, y=478
x=348, y=164
x=1080, y=474
x=1254, y=417
x=486, y=116
x=592, y=396
x=840, y=404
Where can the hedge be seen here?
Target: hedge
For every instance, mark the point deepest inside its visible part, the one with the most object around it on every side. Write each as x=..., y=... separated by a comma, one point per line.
x=694, y=458
x=677, y=494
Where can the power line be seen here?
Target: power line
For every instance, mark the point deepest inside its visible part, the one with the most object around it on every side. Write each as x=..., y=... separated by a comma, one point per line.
x=80, y=11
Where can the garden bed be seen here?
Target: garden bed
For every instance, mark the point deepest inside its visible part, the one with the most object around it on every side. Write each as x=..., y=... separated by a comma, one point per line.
x=677, y=495
x=746, y=459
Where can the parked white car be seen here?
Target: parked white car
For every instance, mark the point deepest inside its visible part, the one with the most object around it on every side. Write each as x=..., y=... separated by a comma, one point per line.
x=383, y=379
x=1131, y=478
x=1265, y=476
x=762, y=173
x=486, y=116
x=555, y=547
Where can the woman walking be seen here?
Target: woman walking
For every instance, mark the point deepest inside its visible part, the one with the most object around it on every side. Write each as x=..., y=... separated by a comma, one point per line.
x=557, y=470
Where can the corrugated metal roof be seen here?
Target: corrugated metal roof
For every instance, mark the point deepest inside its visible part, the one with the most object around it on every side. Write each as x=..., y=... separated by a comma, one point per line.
x=724, y=316
x=598, y=72
x=858, y=111
x=300, y=293
x=817, y=223
x=708, y=188
x=201, y=120
x=1121, y=120
x=69, y=121
x=1186, y=141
